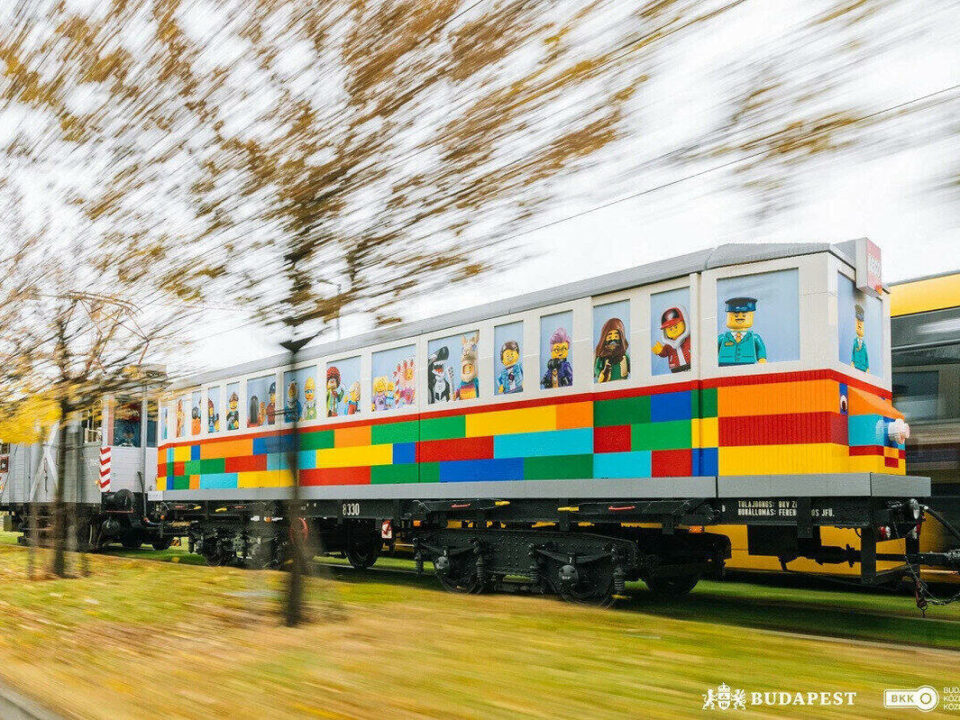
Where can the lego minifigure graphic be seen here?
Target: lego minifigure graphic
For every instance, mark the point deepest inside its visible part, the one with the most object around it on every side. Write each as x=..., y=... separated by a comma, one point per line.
x=859, y=356
x=381, y=400
x=233, y=414
x=334, y=391
x=294, y=406
x=674, y=344
x=253, y=412
x=310, y=395
x=195, y=422
x=213, y=417
x=353, y=399
x=740, y=345
x=269, y=411
x=559, y=370
x=404, y=379
x=439, y=376
x=469, y=384
x=510, y=379
x=612, y=360
x=180, y=419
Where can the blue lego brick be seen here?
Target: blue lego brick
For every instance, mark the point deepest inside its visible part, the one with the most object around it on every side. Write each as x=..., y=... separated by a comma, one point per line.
x=169, y=454
x=272, y=444
x=706, y=462
x=866, y=430
x=481, y=470
x=404, y=453
x=194, y=452
x=218, y=480
x=670, y=406
x=636, y=464
x=578, y=441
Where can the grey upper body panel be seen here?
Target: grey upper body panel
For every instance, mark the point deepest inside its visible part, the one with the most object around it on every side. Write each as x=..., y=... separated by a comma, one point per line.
x=722, y=256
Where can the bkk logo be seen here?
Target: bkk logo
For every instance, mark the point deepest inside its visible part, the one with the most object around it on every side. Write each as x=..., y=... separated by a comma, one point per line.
x=923, y=698
x=724, y=698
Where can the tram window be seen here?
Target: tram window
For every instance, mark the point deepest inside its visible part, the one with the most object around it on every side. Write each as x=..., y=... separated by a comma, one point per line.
x=508, y=358
x=394, y=378
x=300, y=394
x=181, y=417
x=126, y=422
x=164, y=422
x=233, y=406
x=152, y=423
x=213, y=409
x=917, y=394
x=196, y=418
x=670, y=331
x=556, y=369
x=860, y=327
x=758, y=318
x=341, y=390
x=611, y=341
x=452, y=368
x=261, y=401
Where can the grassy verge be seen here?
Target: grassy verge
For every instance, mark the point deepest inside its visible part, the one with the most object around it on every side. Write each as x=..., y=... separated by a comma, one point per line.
x=139, y=639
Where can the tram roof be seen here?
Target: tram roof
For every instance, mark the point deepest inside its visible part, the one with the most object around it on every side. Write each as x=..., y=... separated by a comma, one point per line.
x=671, y=268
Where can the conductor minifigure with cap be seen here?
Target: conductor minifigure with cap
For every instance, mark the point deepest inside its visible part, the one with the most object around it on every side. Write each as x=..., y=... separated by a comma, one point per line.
x=859, y=356
x=740, y=345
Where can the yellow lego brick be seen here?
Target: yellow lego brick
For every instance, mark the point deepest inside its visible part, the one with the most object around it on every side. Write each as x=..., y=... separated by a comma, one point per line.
x=161, y=483
x=505, y=422
x=705, y=432
x=181, y=453
x=782, y=459
x=867, y=463
x=258, y=478
x=339, y=457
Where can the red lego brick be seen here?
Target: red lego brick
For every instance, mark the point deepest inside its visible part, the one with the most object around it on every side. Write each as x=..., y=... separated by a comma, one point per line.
x=245, y=463
x=336, y=476
x=613, y=438
x=479, y=448
x=672, y=463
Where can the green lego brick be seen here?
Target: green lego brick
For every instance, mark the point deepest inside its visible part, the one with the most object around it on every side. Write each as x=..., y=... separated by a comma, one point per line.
x=202, y=467
x=430, y=472
x=671, y=435
x=558, y=467
x=621, y=411
x=390, y=474
x=398, y=432
x=180, y=482
x=708, y=402
x=170, y=472
x=319, y=440
x=443, y=428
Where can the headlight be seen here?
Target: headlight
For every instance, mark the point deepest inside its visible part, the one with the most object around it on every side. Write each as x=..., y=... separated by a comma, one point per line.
x=898, y=431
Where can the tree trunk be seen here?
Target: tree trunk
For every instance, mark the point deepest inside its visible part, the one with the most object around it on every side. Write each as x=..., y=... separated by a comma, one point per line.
x=297, y=527
x=58, y=562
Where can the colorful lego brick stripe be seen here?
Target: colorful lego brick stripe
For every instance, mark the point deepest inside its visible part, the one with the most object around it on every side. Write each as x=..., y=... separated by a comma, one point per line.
x=790, y=423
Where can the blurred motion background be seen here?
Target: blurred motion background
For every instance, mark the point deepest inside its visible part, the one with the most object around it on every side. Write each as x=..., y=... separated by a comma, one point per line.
x=420, y=145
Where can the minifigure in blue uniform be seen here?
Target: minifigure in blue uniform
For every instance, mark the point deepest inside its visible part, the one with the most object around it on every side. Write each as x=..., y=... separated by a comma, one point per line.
x=859, y=356
x=740, y=345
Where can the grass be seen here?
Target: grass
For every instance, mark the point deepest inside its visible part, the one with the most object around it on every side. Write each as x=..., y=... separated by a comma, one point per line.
x=168, y=639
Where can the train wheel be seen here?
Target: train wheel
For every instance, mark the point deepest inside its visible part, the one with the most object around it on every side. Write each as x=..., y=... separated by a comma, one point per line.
x=261, y=554
x=131, y=541
x=589, y=583
x=161, y=544
x=673, y=587
x=363, y=550
x=458, y=573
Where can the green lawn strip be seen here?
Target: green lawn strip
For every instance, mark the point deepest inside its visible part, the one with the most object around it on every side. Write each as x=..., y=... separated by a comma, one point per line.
x=191, y=641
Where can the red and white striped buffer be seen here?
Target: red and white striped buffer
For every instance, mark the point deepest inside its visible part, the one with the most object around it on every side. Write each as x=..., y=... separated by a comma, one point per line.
x=105, y=469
